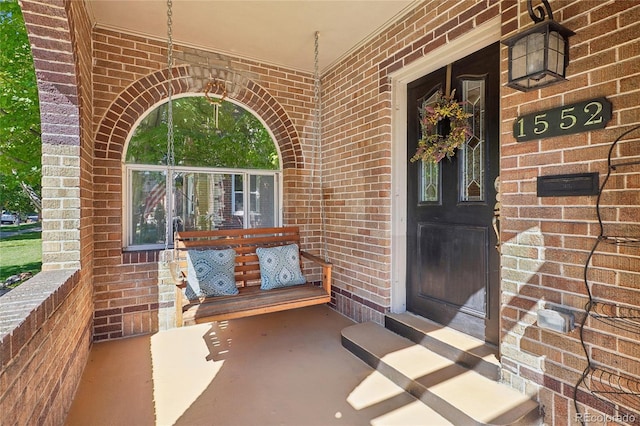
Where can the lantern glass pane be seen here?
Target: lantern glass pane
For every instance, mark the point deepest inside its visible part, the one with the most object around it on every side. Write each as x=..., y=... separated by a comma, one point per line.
x=553, y=62
x=556, y=53
x=535, y=53
x=519, y=59
x=555, y=41
x=519, y=49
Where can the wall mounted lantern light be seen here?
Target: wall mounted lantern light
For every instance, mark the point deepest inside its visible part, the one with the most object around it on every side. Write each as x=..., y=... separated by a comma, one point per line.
x=538, y=56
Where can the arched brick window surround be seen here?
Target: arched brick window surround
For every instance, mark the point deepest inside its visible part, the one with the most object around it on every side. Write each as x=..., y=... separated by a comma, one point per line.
x=140, y=96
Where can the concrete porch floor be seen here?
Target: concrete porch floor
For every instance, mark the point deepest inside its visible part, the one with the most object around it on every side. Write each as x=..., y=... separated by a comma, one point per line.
x=286, y=368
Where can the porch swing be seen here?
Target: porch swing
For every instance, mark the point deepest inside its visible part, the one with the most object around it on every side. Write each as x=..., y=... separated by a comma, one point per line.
x=234, y=273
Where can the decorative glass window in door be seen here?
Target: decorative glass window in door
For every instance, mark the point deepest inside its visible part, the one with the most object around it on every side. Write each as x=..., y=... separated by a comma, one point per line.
x=472, y=153
x=429, y=172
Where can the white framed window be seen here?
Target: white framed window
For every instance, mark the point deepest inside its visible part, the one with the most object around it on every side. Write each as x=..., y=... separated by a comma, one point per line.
x=224, y=177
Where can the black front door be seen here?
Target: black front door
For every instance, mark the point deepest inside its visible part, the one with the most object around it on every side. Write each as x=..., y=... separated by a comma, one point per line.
x=452, y=260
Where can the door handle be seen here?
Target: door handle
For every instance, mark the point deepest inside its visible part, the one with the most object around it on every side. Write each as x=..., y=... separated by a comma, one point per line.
x=496, y=227
x=495, y=221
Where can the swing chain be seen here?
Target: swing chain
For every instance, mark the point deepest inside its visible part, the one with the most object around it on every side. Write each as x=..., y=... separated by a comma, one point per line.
x=317, y=136
x=170, y=137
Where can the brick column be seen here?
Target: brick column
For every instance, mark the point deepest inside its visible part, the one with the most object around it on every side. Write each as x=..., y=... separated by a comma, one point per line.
x=60, y=206
x=50, y=37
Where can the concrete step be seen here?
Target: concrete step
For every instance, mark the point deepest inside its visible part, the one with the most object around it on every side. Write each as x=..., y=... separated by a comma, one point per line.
x=460, y=395
x=376, y=390
x=447, y=342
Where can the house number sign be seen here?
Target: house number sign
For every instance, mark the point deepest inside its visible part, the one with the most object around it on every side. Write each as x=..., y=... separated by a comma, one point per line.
x=581, y=117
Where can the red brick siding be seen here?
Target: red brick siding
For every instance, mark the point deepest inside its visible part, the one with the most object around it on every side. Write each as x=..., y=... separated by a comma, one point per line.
x=547, y=240
x=127, y=298
x=46, y=322
x=81, y=40
x=43, y=356
x=357, y=148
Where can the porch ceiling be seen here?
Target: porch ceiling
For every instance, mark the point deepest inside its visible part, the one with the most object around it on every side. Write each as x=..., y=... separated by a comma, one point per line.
x=278, y=32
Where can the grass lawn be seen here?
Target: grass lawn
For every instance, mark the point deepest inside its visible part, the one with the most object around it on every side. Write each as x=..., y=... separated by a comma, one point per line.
x=20, y=253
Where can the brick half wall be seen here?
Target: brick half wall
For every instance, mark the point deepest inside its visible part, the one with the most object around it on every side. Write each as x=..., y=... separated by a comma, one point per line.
x=45, y=337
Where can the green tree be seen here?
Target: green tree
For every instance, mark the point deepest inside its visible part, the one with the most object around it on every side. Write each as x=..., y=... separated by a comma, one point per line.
x=20, y=139
x=239, y=141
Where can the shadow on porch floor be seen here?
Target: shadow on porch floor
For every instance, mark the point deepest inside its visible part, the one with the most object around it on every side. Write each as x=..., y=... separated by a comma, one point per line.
x=286, y=368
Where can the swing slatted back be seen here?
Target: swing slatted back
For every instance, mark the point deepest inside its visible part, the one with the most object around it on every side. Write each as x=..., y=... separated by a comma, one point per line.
x=251, y=300
x=243, y=241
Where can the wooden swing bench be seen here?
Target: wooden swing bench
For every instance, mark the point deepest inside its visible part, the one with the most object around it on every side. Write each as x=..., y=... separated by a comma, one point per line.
x=250, y=300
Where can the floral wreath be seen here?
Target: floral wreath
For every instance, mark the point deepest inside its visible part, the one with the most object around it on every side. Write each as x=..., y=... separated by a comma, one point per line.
x=433, y=147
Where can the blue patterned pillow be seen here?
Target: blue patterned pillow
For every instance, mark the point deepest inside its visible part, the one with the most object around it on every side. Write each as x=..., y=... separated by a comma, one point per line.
x=280, y=266
x=211, y=273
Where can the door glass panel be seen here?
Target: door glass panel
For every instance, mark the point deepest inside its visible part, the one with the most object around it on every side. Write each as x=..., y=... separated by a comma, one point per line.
x=429, y=172
x=429, y=184
x=473, y=152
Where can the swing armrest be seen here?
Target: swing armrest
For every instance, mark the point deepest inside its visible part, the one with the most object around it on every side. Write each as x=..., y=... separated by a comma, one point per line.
x=314, y=258
x=326, y=269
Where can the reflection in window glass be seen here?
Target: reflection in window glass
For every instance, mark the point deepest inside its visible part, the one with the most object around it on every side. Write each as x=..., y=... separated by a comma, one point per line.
x=237, y=201
x=204, y=202
x=198, y=142
x=149, y=212
x=262, y=202
x=208, y=201
x=218, y=172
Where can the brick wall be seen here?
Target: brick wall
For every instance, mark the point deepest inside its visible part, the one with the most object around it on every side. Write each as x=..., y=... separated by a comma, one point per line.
x=357, y=147
x=46, y=329
x=81, y=40
x=45, y=336
x=129, y=80
x=547, y=240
